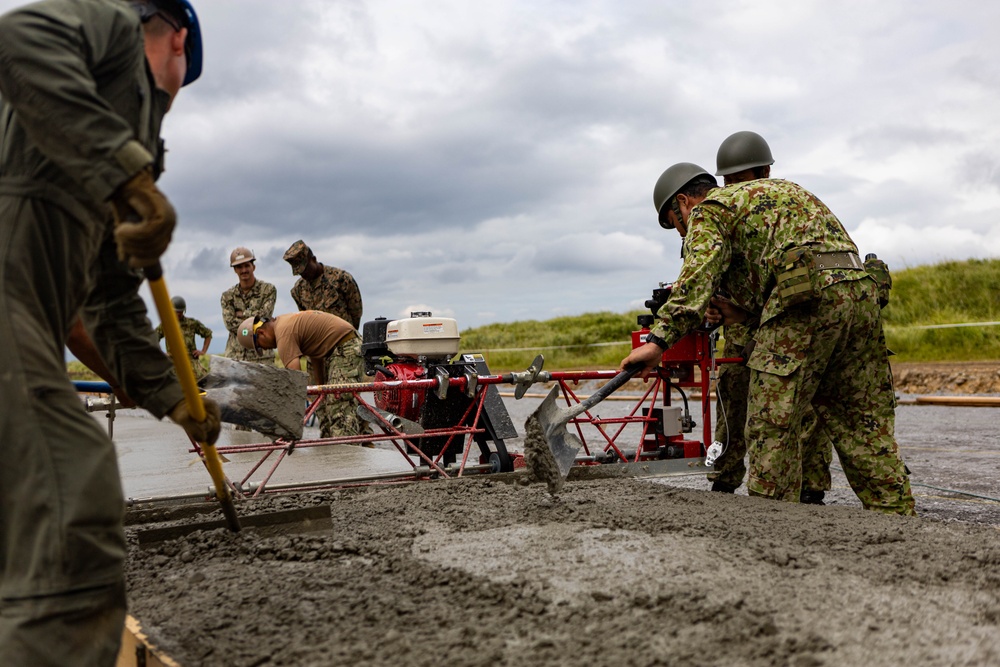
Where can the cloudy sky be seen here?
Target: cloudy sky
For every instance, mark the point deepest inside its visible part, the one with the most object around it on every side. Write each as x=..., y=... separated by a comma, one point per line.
x=494, y=162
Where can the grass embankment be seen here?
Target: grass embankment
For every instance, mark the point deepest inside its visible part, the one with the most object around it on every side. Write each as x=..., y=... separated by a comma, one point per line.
x=77, y=371
x=946, y=293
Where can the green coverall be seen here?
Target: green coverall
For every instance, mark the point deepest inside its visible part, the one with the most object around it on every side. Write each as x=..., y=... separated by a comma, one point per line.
x=80, y=115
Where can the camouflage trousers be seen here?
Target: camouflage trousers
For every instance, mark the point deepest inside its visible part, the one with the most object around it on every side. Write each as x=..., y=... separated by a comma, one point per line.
x=338, y=416
x=828, y=359
x=732, y=389
x=731, y=415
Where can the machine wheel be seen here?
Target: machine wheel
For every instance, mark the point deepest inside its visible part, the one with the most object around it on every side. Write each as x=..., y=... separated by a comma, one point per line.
x=499, y=460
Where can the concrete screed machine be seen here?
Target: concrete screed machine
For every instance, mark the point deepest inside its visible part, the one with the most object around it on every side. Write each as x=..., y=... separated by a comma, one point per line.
x=442, y=402
x=443, y=412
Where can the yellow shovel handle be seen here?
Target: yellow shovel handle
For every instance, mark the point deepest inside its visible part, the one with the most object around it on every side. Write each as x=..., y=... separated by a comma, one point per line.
x=192, y=395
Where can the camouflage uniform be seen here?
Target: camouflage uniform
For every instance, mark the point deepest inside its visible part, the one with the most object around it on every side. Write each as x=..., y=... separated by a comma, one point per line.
x=731, y=410
x=733, y=388
x=334, y=291
x=236, y=307
x=80, y=115
x=826, y=355
x=344, y=364
x=190, y=328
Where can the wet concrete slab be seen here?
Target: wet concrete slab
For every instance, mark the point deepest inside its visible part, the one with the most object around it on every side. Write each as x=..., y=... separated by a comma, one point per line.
x=155, y=460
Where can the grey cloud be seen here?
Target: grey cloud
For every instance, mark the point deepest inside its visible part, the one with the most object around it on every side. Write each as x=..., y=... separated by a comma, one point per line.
x=884, y=140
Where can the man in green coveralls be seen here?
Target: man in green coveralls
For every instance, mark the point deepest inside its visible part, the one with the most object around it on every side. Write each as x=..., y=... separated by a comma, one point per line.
x=84, y=87
x=190, y=328
x=793, y=273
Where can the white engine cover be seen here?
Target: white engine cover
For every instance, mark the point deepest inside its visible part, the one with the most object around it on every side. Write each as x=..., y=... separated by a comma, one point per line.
x=433, y=337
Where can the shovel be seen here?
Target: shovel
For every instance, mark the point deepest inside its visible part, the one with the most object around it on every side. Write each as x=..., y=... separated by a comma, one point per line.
x=185, y=375
x=549, y=448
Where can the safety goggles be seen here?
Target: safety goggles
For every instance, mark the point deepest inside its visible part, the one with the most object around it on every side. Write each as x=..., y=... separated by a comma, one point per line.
x=257, y=325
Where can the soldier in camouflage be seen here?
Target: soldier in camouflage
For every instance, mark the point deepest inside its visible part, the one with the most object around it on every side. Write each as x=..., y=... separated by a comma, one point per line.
x=792, y=272
x=333, y=348
x=190, y=328
x=745, y=156
x=325, y=288
x=248, y=297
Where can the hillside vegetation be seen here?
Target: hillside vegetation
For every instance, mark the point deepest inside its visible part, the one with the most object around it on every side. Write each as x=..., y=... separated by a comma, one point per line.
x=946, y=293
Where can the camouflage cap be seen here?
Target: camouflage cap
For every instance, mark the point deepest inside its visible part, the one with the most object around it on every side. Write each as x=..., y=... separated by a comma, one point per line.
x=298, y=256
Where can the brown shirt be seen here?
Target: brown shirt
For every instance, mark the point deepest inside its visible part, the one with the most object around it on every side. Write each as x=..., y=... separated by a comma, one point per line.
x=310, y=333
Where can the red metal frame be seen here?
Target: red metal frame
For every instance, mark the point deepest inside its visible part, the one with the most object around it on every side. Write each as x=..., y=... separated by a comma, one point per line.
x=688, y=365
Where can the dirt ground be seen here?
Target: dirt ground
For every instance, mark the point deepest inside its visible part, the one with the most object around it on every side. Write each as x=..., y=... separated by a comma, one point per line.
x=492, y=571
x=969, y=377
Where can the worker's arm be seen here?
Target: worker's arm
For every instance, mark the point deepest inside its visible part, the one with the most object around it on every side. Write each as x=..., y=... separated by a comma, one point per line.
x=723, y=311
x=270, y=297
x=206, y=333
x=117, y=319
x=707, y=254
x=317, y=370
x=82, y=347
x=296, y=293
x=354, y=305
x=232, y=316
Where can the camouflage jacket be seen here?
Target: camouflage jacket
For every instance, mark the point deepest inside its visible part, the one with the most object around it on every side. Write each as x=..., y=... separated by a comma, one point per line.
x=237, y=306
x=334, y=292
x=734, y=241
x=190, y=328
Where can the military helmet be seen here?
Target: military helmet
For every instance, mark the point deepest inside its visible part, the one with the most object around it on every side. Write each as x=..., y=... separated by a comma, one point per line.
x=247, y=332
x=670, y=183
x=241, y=256
x=742, y=150
x=180, y=305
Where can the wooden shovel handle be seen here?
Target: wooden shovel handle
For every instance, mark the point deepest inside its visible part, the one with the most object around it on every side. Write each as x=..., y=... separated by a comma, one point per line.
x=192, y=395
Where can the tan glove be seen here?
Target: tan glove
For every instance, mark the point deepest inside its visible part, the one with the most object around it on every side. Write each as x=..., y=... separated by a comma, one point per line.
x=144, y=221
x=203, y=432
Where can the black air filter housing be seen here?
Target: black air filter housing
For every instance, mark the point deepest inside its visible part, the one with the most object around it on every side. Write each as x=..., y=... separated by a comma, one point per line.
x=373, y=339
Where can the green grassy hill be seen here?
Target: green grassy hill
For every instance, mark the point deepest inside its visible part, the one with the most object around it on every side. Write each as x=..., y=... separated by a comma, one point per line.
x=946, y=293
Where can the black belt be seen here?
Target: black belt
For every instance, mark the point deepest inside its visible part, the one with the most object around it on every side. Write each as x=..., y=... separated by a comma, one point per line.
x=837, y=260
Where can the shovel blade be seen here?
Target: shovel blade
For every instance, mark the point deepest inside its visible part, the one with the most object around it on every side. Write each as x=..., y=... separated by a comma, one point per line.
x=563, y=445
x=549, y=450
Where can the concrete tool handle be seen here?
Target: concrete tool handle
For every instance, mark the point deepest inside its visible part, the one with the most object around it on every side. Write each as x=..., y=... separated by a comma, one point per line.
x=612, y=386
x=192, y=395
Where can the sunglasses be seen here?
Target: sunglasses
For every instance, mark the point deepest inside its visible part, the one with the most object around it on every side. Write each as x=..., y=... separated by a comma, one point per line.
x=148, y=11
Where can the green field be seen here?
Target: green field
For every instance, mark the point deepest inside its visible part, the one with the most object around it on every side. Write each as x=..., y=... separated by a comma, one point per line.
x=946, y=293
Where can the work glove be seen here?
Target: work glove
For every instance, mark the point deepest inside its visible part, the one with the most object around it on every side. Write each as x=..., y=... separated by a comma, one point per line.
x=144, y=220
x=206, y=432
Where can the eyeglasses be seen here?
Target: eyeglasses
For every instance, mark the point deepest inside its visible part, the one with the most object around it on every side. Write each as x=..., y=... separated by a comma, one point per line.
x=147, y=11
